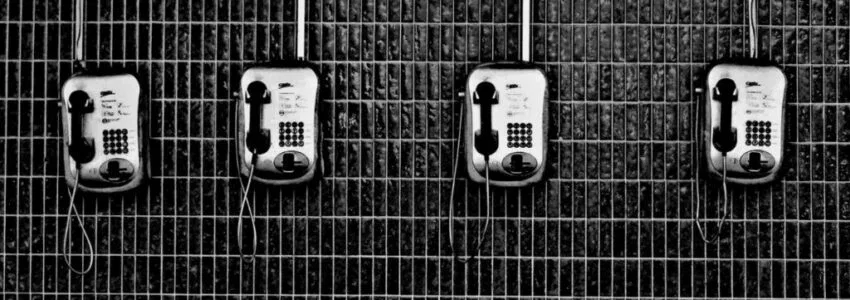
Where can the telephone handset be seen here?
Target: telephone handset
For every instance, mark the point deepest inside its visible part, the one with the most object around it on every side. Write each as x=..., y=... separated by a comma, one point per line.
x=80, y=148
x=726, y=92
x=258, y=139
x=486, y=139
x=104, y=144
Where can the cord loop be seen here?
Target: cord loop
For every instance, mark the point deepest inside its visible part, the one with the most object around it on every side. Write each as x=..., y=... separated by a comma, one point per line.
x=242, y=208
x=485, y=229
x=66, y=235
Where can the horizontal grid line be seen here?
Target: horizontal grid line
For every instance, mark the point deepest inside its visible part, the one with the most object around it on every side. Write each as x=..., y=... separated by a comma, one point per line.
x=617, y=180
x=840, y=64
x=438, y=218
x=478, y=24
x=404, y=257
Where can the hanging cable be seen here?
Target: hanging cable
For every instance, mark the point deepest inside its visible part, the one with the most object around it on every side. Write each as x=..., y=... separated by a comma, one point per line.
x=66, y=235
x=300, y=33
x=752, y=23
x=242, y=208
x=697, y=220
x=714, y=237
x=79, y=32
x=482, y=230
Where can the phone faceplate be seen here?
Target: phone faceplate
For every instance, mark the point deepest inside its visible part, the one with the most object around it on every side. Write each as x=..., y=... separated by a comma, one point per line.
x=115, y=126
x=758, y=118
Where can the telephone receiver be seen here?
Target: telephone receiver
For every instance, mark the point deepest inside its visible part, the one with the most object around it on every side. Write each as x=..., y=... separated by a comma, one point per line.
x=283, y=96
x=259, y=139
x=744, y=114
x=103, y=132
x=724, y=138
x=81, y=149
x=486, y=139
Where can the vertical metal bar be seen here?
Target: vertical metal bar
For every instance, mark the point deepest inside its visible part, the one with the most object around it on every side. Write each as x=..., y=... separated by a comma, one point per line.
x=79, y=30
x=301, y=16
x=525, y=52
x=753, y=22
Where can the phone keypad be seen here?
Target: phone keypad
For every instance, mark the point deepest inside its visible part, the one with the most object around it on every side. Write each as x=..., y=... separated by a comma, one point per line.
x=291, y=134
x=758, y=133
x=519, y=135
x=115, y=142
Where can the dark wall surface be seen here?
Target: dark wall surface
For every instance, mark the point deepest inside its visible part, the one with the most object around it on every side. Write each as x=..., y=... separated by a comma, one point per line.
x=613, y=219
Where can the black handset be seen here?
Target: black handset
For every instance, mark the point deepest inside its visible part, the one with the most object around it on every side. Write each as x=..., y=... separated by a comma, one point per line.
x=258, y=139
x=486, y=139
x=725, y=136
x=81, y=149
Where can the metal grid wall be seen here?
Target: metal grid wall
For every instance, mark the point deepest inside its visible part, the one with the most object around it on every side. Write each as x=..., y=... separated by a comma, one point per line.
x=613, y=220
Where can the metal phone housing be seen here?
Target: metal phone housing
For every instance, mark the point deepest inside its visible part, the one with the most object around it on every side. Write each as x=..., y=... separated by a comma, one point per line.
x=520, y=119
x=112, y=127
x=755, y=154
x=289, y=119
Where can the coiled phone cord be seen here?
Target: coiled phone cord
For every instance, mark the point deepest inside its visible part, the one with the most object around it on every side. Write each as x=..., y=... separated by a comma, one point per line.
x=714, y=237
x=242, y=208
x=482, y=232
x=66, y=235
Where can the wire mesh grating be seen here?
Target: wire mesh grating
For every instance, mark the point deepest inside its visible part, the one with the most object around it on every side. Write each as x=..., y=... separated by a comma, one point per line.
x=613, y=220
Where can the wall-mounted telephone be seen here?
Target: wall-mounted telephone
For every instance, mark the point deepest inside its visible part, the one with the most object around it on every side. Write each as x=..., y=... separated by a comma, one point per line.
x=742, y=122
x=104, y=143
x=744, y=114
x=506, y=113
x=103, y=132
x=279, y=125
x=505, y=120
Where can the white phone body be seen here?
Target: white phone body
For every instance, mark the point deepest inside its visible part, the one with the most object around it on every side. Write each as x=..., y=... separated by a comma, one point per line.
x=292, y=109
x=116, y=127
x=520, y=117
x=757, y=116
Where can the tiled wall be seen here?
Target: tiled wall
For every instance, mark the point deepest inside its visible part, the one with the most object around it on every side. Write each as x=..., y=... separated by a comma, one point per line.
x=612, y=220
